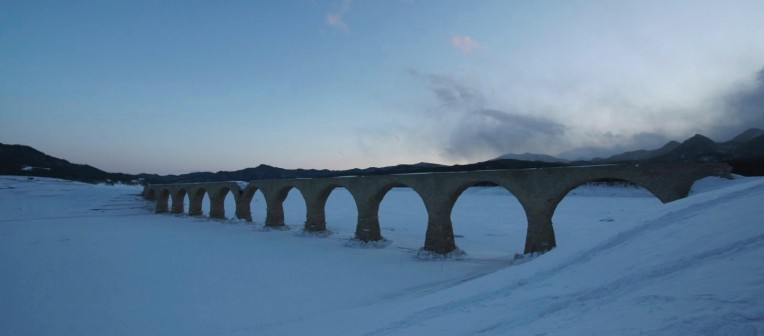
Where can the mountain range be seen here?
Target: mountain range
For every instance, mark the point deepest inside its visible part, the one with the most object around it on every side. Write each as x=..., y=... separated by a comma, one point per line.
x=745, y=153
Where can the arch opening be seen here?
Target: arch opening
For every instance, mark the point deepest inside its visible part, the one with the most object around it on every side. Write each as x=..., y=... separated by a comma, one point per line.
x=206, y=204
x=340, y=211
x=599, y=208
x=489, y=221
x=707, y=184
x=186, y=202
x=294, y=208
x=403, y=216
x=257, y=206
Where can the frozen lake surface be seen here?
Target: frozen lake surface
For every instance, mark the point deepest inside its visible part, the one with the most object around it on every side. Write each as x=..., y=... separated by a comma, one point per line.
x=81, y=259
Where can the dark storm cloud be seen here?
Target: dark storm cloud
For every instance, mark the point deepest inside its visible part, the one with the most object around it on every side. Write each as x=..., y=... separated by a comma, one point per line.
x=745, y=109
x=645, y=140
x=474, y=132
x=493, y=132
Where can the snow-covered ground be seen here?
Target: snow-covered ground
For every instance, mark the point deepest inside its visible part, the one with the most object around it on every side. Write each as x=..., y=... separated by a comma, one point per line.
x=79, y=259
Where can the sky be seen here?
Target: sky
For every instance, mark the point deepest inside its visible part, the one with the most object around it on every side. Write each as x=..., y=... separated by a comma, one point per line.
x=174, y=87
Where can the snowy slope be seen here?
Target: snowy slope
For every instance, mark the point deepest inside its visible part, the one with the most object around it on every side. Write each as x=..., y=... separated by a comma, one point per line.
x=78, y=259
x=692, y=268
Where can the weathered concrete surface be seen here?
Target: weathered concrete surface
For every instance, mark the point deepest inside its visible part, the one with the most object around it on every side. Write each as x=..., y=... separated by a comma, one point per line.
x=538, y=190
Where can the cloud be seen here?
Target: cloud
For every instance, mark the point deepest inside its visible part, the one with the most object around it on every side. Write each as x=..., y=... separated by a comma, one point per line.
x=745, y=109
x=618, y=144
x=336, y=18
x=464, y=43
x=489, y=133
x=452, y=93
x=467, y=130
x=465, y=120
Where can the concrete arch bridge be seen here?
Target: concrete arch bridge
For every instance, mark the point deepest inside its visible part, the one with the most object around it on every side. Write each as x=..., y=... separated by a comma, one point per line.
x=539, y=191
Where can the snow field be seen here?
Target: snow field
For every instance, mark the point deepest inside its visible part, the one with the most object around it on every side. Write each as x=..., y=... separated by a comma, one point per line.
x=79, y=259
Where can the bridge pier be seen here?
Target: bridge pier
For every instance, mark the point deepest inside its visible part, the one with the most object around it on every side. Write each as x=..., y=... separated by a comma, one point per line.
x=274, y=202
x=315, y=220
x=217, y=207
x=540, y=236
x=195, y=202
x=242, y=208
x=440, y=232
x=274, y=216
x=161, y=206
x=367, y=228
x=440, y=235
x=315, y=203
x=177, y=203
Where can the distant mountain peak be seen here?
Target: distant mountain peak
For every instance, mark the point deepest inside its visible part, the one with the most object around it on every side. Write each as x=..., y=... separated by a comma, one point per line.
x=748, y=135
x=699, y=138
x=530, y=157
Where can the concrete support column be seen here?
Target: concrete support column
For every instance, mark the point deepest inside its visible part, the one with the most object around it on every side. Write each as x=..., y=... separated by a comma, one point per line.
x=367, y=228
x=217, y=206
x=195, y=198
x=161, y=205
x=315, y=220
x=274, y=214
x=177, y=204
x=540, y=237
x=440, y=232
x=148, y=193
x=195, y=209
x=242, y=208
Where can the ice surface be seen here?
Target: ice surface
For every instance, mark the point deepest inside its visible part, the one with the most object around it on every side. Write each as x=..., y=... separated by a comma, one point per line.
x=80, y=259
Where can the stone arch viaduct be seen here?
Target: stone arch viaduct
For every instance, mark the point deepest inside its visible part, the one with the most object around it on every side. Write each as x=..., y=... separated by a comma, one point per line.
x=539, y=191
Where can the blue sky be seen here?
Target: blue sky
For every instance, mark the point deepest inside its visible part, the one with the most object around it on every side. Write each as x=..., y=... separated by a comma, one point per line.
x=181, y=86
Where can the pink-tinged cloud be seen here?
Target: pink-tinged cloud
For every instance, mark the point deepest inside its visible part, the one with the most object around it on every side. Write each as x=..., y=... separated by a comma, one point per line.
x=335, y=19
x=464, y=43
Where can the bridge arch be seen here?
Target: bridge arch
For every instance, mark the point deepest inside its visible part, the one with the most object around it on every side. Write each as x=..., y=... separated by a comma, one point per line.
x=662, y=191
x=368, y=204
x=315, y=204
x=341, y=211
x=500, y=234
x=275, y=194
